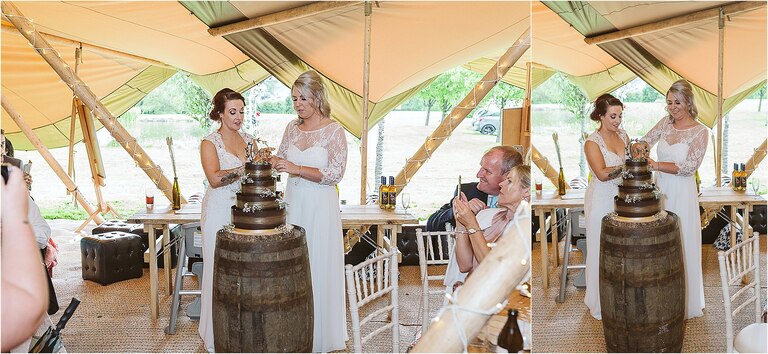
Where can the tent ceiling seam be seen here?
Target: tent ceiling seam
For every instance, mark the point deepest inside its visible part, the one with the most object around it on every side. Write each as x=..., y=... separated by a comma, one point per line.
x=312, y=22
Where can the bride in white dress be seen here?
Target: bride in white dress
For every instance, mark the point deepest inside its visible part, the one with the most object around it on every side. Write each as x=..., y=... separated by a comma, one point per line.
x=222, y=154
x=682, y=145
x=605, y=150
x=314, y=154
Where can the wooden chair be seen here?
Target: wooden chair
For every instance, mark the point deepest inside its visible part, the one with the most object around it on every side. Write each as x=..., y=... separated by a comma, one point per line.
x=431, y=252
x=735, y=264
x=368, y=281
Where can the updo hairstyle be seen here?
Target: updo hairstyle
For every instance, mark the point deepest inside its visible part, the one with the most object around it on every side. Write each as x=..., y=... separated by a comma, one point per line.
x=601, y=106
x=220, y=100
x=310, y=85
x=683, y=91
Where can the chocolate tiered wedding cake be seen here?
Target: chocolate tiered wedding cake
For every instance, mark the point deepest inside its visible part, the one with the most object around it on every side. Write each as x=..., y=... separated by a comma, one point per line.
x=257, y=206
x=637, y=193
x=641, y=266
x=262, y=300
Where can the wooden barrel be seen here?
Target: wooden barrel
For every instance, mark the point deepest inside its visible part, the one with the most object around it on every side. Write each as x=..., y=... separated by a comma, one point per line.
x=262, y=292
x=642, y=284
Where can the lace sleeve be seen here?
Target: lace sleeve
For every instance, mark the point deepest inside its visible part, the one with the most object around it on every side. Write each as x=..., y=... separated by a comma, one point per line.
x=337, y=157
x=286, y=141
x=696, y=150
x=653, y=135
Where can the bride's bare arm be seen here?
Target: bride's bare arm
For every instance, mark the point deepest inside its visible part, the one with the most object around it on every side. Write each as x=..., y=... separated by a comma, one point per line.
x=210, y=161
x=597, y=163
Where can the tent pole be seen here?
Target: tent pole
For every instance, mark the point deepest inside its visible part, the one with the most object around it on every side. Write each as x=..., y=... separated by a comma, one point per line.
x=460, y=111
x=730, y=9
x=366, y=114
x=525, y=125
x=719, y=146
x=30, y=134
x=504, y=267
x=89, y=98
x=756, y=158
x=280, y=17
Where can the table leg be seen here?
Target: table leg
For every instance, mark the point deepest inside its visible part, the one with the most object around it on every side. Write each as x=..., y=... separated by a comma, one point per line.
x=544, y=249
x=555, y=237
x=167, y=259
x=734, y=222
x=380, y=239
x=153, y=303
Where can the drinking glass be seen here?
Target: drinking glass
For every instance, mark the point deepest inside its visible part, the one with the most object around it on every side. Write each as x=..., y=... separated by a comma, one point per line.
x=149, y=197
x=539, y=186
x=405, y=199
x=755, y=185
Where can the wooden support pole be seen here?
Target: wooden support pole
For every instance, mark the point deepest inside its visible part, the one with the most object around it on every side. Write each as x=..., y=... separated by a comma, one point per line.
x=30, y=134
x=719, y=142
x=91, y=48
x=545, y=167
x=490, y=284
x=756, y=158
x=89, y=98
x=730, y=9
x=525, y=125
x=458, y=113
x=366, y=89
x=280, y=17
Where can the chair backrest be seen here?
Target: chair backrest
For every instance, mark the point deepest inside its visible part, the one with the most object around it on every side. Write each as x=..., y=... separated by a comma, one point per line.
x=432, y=252
x=578, y=222
x=366, y=282
x=735, y=264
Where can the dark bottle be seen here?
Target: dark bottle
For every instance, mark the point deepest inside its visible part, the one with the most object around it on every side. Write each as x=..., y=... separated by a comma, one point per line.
x=176, y=194
x=743, y=177
x=510, y=337
x=383, y=193
x=561, y=183
x=392, y=193
x=735, y=180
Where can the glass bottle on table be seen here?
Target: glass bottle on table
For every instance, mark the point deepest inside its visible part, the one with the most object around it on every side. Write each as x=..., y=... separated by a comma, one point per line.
x=510, y=337
x=561, y=183
x=735, y=180
x=383, y=193
x=392, y=193
x=743, y=177
x=176, y=195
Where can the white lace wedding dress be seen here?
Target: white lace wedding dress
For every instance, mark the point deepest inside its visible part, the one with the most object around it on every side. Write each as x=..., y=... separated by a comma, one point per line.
x=598, y=201
x=215, y=213
x=686, y=149
x=315, y=207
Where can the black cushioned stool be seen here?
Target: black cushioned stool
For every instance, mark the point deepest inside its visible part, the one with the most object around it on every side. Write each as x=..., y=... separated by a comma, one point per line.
x=111, y=257
x=114, y=225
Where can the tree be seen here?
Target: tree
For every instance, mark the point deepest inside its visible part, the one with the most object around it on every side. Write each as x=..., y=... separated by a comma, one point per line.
x=197, y=102
x=573, y=100
x=447, y=89
x=503, y=93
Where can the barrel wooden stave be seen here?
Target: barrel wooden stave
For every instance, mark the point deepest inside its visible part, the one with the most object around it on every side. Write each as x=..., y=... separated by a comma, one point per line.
x=642, y=285
x=262, y=299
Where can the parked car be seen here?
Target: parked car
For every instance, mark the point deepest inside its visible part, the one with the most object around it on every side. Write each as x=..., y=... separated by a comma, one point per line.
x=486, y=122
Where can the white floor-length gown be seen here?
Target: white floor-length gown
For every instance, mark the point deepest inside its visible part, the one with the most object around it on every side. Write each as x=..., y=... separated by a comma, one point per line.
x=686, y=149
x=315, y=207
x=215, y=213
x=598, y=202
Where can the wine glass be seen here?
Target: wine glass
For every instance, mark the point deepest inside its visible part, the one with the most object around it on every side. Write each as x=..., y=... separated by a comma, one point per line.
x=405, y=200
x=755, y=185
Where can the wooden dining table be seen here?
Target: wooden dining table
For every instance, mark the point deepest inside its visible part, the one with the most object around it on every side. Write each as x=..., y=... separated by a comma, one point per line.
x=389, y=224
x=716, y=197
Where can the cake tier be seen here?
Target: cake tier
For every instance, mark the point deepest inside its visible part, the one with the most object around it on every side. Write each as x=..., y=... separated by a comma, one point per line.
x=256, y=201
x=258, y=187
x=258, y=170
x=257, y=220
x=637, y=180
x=642, y=193
x=640, y=208
x=636, y=166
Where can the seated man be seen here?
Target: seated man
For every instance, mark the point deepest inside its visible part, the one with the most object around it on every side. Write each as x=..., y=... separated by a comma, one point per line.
x=494, y=165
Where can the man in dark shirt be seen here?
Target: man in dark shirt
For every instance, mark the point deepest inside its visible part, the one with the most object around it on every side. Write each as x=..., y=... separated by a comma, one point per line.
x=494, y=165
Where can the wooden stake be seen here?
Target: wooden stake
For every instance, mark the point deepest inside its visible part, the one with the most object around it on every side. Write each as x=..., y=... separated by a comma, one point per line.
x=719, y=146
x=89, y=98
x=280, y=17
x=730, y=9
x=366, y=87
x=458, y=113
x=491, y=283
x=30, y=134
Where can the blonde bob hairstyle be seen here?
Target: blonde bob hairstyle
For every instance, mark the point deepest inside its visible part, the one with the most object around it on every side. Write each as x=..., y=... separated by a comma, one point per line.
x=683, y=91
x=310, y=85
x=520, y=174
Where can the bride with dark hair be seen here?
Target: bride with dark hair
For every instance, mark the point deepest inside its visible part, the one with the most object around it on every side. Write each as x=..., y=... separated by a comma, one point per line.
x=605, y=151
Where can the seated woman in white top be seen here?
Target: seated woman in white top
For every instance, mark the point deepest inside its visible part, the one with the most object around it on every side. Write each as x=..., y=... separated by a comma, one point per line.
x=473, y=233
